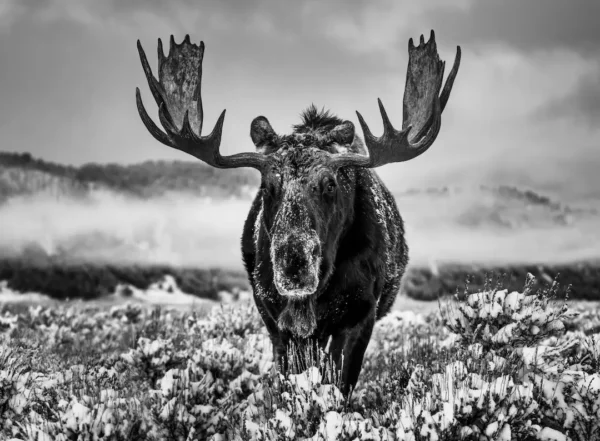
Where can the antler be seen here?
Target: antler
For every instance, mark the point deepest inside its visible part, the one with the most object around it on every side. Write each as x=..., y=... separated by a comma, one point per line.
x=177, y=94
x=423, y=106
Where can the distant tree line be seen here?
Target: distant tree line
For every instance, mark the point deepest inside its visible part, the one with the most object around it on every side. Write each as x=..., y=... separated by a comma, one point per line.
x=91, y=281
x=63, y=279
x=579, y=280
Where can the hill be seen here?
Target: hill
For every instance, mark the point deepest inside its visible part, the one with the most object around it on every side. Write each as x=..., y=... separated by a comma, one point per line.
x=21, y=174
x=502, y=207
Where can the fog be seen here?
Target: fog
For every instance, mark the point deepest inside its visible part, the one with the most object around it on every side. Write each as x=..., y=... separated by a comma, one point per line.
x=181, y=231
x=535, y=246
x=484, y=227
x=470, y=227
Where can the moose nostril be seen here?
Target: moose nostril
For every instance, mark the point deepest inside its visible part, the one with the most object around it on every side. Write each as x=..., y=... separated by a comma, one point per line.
x=294, y=263
x=291, y=271
x=296, y=260
x=316, y=249
x=296, y=271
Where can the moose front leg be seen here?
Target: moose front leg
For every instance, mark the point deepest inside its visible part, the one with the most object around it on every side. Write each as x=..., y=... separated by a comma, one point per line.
x=347, y=349
x=280, y=343
x=280, y=356
x=279, y=340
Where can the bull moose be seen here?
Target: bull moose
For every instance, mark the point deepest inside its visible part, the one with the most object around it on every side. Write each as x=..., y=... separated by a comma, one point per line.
x=324, y=242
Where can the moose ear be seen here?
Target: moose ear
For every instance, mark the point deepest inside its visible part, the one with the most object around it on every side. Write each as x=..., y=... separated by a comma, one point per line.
x=262, y=133
x=343, y=133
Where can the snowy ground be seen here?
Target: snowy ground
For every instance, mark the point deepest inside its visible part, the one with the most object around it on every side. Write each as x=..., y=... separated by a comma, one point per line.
x=499, y=366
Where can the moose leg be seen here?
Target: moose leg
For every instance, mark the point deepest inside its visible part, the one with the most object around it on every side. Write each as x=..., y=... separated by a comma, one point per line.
x=280, y=356
x=354, y=352
x=279, y=341
x=348, y=350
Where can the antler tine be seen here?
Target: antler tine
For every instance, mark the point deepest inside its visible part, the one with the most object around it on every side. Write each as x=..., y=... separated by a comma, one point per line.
x=177, y=94
x=155, y=86
x=450, y=80
x=158, y=134
x=423, y=107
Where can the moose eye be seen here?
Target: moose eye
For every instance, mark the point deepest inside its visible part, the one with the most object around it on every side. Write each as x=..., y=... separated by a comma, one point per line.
x=330, y=187
x=269, y=191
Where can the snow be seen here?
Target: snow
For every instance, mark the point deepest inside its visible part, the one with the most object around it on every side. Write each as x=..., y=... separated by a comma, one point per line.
x=548, y=434
x=505, y=433
x=163, y=292
x=512, y=302
x=8, y=295
x=333, y=425
x=307, y=379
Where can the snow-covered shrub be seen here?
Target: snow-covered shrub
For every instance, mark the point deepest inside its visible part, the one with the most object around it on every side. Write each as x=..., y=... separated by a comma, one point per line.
x=517, y=338
x=502, y=369
x=499, y=320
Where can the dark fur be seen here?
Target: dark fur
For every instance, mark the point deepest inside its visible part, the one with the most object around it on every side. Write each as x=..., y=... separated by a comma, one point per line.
x=317, y=121
x=363, y=258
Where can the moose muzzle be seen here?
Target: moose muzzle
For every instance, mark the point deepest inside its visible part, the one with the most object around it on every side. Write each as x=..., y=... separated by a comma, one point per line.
x=296, y=260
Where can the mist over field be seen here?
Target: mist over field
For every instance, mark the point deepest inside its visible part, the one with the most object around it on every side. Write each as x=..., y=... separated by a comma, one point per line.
x=179, y=229
x=497, y=227
x=176, y=230
x=552, y=245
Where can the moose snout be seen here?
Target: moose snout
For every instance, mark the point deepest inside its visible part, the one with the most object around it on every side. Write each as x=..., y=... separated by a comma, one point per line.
x=296, y=261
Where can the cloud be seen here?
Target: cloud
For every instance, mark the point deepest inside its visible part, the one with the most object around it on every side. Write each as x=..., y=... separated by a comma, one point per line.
x=523, y=25
x=358, y=25
x=174, y=230
x=521, y=95
x=382, y=27
x=10, y=11
x=296, y=32
x=581, y=103
x=338, y=28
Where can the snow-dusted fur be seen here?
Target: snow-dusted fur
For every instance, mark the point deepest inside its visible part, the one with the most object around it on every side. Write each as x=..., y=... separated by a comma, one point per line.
x=324, y=248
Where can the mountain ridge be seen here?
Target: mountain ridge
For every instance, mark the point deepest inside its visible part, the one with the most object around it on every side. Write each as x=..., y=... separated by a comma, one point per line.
x=22, y=174
x=500, y=206
x=154, y=177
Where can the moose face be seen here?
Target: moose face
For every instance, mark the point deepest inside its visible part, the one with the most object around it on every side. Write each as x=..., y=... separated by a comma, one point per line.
x=305, y=207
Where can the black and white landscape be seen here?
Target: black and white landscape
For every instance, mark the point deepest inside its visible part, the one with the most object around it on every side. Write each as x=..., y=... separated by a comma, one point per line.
x=126, y=312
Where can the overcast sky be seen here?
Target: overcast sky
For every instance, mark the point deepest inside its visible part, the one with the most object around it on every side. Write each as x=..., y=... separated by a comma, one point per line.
x=525, y=107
